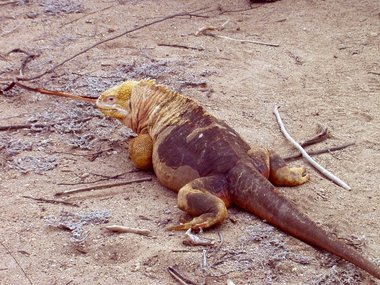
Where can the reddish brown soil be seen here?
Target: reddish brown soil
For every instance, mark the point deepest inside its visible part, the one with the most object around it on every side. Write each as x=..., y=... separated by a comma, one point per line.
x=325, y=71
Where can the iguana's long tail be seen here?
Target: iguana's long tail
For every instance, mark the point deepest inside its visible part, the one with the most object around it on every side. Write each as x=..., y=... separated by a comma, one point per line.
x=252, y=192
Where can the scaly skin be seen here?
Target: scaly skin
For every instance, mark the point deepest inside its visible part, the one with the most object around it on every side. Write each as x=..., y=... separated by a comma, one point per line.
x=211, y=166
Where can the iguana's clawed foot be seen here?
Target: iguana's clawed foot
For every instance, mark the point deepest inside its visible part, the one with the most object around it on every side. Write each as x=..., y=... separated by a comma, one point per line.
x=298, y=175
x=197, y=224
x=289, y=176
x=283, y=175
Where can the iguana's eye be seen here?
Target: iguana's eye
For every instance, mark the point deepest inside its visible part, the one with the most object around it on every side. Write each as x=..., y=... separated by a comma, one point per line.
x=111, y=99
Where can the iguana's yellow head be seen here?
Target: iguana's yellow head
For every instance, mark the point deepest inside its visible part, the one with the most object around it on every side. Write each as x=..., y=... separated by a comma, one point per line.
x=115, y=102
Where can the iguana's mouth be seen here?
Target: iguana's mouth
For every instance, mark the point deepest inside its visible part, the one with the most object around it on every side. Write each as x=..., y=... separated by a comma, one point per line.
x=111, y=110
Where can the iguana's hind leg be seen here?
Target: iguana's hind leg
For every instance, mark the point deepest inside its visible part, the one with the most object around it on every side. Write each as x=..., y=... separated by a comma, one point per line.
x=260, y=159
x=206, y=199
x=273, y=167
x=283, y=175
x=140, y=151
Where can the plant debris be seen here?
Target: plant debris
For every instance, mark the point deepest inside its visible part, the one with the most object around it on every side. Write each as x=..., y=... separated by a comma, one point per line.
x=75, y=222
x=34, y=164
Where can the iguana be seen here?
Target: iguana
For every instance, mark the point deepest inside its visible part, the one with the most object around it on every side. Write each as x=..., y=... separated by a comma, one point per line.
x=211, y=166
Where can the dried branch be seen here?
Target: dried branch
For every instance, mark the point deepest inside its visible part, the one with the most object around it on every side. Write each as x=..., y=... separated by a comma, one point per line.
x=29, y=57
x=206, y=29
x=8, y=3
x=204, y=263
x=245, y=41
x=86, y=99
x=18, y=264
x=221, y=242
x=88, y=14
x=51, y=201
x=23, y=126
x=10, y=31
x=203, y=30
x=31, y=126
x=180, y=46
x=238, y=10
x=319, y=137
x=190, y=14
x=325, y=172
x=104, y=177
x=102, y=186
x=319, y=151
x=26, y=60
x=179, y=277
x=123, y=229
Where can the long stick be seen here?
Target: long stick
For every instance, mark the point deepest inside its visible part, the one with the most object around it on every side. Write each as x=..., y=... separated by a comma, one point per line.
x=124, y=229
x=247, y=41
x=319, y=151
x=58, y=93
x=181, y=14
x=51, y=201
x=18, y=264
x=179, y=277
x=324, y=171
x=102, y=186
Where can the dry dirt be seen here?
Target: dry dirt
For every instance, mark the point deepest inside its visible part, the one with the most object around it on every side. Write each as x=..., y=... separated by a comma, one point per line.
x=325, y=71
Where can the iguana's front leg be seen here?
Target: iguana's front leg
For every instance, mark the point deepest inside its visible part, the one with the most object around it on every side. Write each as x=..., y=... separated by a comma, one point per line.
x=206, y=199
x=140, y=151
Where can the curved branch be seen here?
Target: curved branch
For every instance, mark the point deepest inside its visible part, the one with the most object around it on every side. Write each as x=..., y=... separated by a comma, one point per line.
x=190, y=14
x=324, y=171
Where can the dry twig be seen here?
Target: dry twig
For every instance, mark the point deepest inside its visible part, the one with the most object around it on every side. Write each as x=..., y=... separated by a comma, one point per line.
x=88, y=14
x=324, y=171
x=51, y=201
x=18, y=264
x=57, y=93
x=203, y=30
x=245, y=41
x=179, y=277
x=206, y=29
x=319, y=151
x=190, y=14
x=10, y=31
x=104, y=177
x=54, y=67
x=204, y=263
x=123, y=229
x=23, y=126
x=102, y=186
x=319, y=137
x=8, y=3
x=221, y=242
x=180, y=46
x=36, y=126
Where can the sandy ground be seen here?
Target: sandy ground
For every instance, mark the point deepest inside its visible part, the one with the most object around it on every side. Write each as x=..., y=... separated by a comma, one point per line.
x=325, y=70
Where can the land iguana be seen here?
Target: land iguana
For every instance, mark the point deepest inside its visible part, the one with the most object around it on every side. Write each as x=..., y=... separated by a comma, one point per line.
x=211, y=166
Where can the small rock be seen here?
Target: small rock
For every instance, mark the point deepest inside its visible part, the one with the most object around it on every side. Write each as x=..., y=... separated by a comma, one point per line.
x=32, y=15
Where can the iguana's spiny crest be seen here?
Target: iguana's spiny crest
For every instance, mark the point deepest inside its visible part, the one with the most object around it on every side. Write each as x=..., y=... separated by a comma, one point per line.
x=139, y=104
